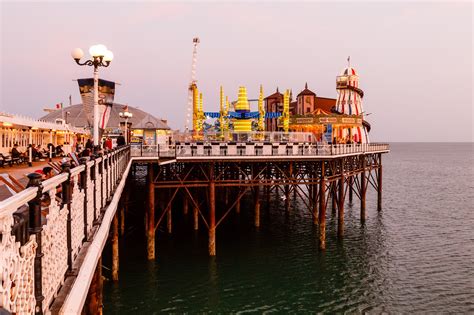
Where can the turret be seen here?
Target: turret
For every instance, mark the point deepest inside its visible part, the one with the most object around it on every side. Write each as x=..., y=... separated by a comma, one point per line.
x=349, y=102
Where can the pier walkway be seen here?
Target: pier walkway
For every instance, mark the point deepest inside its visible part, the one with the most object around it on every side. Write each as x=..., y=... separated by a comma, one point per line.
x=53, y=233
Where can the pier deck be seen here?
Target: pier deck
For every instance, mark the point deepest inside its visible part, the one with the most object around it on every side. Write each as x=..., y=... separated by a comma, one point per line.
x=56, y=249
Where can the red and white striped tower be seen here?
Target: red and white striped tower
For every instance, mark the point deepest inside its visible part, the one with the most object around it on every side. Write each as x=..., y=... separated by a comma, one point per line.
x=349, y=102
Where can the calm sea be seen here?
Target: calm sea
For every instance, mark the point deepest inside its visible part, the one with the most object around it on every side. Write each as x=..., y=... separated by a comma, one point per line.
x=414, y=256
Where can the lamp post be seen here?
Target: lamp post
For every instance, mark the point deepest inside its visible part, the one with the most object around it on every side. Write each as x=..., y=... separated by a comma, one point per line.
x=101, y=57
x=126, y=115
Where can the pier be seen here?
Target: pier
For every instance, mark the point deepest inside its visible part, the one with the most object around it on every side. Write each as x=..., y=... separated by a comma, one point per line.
x=51, y=253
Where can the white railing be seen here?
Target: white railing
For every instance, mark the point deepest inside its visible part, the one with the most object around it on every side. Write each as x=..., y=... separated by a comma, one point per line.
x=253, y=149
x=62, y=211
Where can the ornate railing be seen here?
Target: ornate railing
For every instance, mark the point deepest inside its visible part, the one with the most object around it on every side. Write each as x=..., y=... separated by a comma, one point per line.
x=43, y=228
x=253, y=149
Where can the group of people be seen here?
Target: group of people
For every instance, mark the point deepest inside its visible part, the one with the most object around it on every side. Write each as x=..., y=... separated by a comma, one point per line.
x=37, y=152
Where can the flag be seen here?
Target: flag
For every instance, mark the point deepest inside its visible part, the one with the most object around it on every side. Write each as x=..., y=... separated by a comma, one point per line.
x=106, y=99
x=59, y=105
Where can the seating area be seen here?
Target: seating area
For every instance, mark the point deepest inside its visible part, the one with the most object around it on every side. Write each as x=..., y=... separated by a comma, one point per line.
x=16, y=157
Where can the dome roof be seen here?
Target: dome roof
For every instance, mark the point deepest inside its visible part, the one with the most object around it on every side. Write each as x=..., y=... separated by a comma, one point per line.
x=77, y=116
x=349, y=71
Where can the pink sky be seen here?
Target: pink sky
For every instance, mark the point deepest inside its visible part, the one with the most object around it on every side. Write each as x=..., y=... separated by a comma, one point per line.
x=414, y=59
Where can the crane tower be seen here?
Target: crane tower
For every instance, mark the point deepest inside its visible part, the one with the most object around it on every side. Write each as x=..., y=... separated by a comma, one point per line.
x=192, y=84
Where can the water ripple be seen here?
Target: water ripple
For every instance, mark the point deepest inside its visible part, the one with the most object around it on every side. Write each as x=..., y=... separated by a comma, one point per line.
x=415, y=256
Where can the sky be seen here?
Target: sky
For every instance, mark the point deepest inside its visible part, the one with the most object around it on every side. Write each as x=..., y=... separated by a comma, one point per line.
x=414, y=59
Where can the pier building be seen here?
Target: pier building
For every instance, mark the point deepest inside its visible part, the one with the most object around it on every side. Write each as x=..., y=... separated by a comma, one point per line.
x=22, y=130
x=143, y=126
x=338, y=120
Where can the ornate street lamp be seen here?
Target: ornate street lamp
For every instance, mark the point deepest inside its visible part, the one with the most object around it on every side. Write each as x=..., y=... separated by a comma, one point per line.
x=126, y=115
x=101, y=57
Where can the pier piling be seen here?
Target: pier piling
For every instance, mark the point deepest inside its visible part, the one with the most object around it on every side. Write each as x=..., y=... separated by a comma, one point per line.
x=237, y=205
x=351, y=181
x=257, y=206
x=314, y=192
x=196, y=218
x=322, y=209
x=185, y=204
x=151, y=214
x=115, y=248
x=93, y=305
x=379, y=184
x=340, y=214
x=212, y=215
x=363, y=189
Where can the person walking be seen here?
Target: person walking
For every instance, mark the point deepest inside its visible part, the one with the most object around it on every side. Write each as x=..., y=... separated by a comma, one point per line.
x=120, y=140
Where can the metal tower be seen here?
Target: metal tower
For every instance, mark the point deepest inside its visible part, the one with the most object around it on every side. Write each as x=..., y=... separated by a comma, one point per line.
x=191, y=84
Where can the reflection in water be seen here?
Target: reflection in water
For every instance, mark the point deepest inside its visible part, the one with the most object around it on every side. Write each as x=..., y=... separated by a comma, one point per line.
x=413, y=256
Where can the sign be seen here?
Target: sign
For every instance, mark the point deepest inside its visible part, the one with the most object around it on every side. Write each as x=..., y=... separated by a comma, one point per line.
x=304, y=120
x=106, y=99
x=348, y=120
x=325, y=120
x=134, y=139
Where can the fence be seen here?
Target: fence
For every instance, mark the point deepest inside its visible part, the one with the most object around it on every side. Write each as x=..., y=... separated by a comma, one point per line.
x=251, y=149
x=42, y=229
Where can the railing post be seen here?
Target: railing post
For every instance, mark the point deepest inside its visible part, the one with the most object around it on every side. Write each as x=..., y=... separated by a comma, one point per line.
x=106, y=171
x=141, y=148
x=93, y=178
x=84, y=187
x=66, y=201
x=101, y=172
x=36, y=229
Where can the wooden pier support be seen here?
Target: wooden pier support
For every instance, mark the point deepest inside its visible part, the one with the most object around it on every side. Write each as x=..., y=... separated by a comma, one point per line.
x=123, y=210
x=314, y=193
x=169, y=219
x=151, y=214
x=287, y=188
x=115, y=248
x=93, y=305
x=340, y=212
x=257, y=206
x=122, y=220
x=363, y=189
x=212, y=215
x=237, y=205
x=196, y=218
x=351, y=183
x=379, y=184
x=333, y=198
x=322, y=209
x=185, y=204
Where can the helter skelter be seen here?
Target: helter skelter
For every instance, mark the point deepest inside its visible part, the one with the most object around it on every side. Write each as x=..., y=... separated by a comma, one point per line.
x=349, y=102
